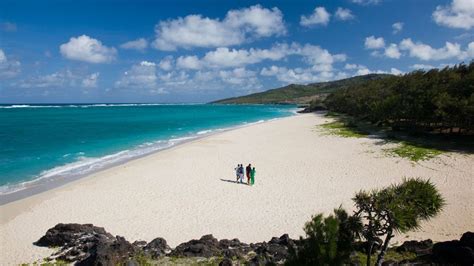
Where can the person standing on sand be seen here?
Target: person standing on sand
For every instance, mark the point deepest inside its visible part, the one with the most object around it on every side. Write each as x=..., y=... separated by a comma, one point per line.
x=252, y=176
x=241, y=173
x=237, y=172
x=247, y=172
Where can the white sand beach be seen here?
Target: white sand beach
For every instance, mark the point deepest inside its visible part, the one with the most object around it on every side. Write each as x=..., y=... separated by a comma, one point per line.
x=187, y=191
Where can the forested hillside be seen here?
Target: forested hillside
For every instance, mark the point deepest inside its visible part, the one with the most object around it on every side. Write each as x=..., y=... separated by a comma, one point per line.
x=300, y=94
x=435, y=100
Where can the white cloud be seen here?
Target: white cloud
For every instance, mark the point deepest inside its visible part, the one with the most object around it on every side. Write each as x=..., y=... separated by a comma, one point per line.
x=425, y=52
x=237, y=27
x=141, y=76
x=238, y=76
x=189, y=62
x=90, y=81
x=397, y=27
x=320, y=59
x=60, y=79
x=8, y=68
x=392, y=51
x=344, y=14
x=319, y=16
x=300, y=75
x=374, y=43
x=422, y=66
x=366, y=2
x=459, y=14
x=166, y=63
x=139, y=45
x=87, y=49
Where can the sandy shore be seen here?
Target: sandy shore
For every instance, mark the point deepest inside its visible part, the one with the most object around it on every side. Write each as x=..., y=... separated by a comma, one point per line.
x=186, y=192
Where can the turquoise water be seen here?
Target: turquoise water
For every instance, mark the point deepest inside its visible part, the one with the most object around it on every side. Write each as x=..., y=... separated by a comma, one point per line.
x=40, y=143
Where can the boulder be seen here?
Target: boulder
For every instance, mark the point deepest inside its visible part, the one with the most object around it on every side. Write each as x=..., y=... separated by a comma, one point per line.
x=207, y=246
x=157, y=248
x=418, y=247
x=68, y=234
x=467, y=240
x=453, y=252
x=109, y=253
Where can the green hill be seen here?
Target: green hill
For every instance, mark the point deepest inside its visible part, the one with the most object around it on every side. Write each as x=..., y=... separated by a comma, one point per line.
x=299, y=94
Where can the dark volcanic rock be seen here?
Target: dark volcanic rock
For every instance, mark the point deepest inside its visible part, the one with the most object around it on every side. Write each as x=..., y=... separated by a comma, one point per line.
x=207, y=246
x=87, y=245
x=109, y=253
x=157, y=248
x=418, y=247
x=225, y=262
x=467, y=240
x=453, y=252
x=68, y=234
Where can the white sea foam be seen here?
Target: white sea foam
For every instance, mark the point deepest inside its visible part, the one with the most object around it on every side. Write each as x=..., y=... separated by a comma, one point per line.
x=88, y=105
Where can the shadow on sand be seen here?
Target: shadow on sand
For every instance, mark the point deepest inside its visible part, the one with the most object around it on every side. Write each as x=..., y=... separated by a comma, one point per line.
x=233, y=181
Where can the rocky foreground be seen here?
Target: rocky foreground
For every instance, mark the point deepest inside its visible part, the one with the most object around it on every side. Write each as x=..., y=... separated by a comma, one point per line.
x=86, y=244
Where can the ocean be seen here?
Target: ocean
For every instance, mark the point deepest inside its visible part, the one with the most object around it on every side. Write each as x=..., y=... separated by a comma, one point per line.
x=47, y=143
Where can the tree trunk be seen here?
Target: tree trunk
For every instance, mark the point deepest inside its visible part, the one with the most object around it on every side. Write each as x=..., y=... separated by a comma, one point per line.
x=384, y=247
x=369, y=252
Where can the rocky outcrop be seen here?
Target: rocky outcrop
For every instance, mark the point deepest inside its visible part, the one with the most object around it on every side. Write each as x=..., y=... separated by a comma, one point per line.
x=454, y=252
x=90, y=245
x=86, y=244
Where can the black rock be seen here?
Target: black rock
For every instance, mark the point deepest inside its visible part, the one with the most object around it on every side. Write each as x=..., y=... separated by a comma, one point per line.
x=467, y=240
x=68, y=234
x=157, y=248
x=418, y=247
x=453, y=252
x=109, y=253
x=207, y=246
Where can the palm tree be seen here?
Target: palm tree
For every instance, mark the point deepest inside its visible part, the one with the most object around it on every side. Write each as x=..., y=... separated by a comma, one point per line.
x=397, y=208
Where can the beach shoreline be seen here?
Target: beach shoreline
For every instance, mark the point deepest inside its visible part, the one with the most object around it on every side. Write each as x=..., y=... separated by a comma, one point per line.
x=183, y=192
x=40, y=185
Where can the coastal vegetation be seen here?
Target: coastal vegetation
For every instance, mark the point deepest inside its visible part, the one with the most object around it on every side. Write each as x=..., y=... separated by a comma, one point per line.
x=434, y=101
x=301, y=94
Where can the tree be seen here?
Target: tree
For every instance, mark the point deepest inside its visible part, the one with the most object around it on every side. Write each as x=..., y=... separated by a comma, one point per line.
x=329, y=240
x=397, y=208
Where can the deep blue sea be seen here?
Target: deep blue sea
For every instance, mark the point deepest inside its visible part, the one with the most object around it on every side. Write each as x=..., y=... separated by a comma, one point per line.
x=40, y=143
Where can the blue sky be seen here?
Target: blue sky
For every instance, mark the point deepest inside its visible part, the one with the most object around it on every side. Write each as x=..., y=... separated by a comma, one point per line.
x=197, y=51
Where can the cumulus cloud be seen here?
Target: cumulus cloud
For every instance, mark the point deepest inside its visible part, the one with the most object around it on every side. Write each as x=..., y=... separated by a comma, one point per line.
x=138, y=44
x=425, y=52
x=142, y=75
x=359, y=70
x=8, y=68
x=319, y=17
x=397, y=27
x=372, y=42
x=87, y=49
x=458, y=14
x=166, y=63
x=344, y=14
x=422, y=67
x=223, y=57
x=237, y=27
x=61, y=79
x=392, y=51
x=90, y=81
x=238, y=76
x=189, y=62
x=300, y=75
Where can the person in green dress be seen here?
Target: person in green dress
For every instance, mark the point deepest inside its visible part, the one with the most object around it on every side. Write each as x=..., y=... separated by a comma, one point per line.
x=252, y=176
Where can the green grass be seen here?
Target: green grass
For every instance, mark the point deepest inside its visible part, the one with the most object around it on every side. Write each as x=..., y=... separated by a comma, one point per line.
x=343, y=130
x=413, y=152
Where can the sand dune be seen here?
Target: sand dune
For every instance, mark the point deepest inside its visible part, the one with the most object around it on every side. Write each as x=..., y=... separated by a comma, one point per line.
x=187, y=191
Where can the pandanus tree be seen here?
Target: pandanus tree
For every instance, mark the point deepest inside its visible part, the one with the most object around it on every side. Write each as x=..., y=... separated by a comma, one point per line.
x=396, y=209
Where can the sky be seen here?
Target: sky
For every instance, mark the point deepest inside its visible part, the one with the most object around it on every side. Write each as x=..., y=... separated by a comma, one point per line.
x=199, y=51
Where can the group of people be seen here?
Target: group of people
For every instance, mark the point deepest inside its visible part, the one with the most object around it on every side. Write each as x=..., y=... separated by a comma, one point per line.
x=249, y=172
